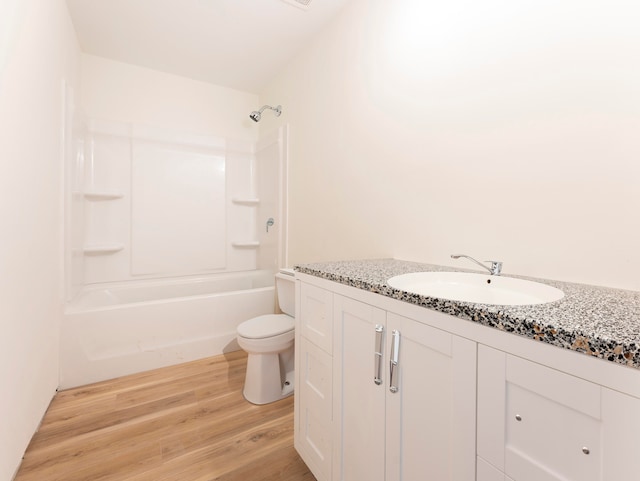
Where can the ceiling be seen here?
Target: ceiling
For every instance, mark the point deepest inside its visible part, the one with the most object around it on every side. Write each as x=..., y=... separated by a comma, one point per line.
x=241, y=44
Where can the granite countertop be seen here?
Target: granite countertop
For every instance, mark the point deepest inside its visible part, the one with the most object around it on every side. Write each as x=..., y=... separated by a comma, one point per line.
x=599, y=321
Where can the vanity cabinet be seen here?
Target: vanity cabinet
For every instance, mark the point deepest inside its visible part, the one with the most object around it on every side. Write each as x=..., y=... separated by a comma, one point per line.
x=464, y=402
x=536, y=423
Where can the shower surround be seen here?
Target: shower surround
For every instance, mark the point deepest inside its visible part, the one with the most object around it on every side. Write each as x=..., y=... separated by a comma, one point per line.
x=175, y=223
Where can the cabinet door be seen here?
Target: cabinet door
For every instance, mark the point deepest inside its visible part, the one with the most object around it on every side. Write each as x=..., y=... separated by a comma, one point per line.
x=536, y=423
x=430, y=405
x=359, y=335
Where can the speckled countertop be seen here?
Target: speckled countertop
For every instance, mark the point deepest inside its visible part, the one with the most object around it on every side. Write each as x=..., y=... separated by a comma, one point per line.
x=599, y=321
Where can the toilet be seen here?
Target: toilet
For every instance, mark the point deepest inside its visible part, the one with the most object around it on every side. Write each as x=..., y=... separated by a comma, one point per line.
x=268, y=340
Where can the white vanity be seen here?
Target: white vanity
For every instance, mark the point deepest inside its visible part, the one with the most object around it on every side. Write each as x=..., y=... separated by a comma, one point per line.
x=387, y=389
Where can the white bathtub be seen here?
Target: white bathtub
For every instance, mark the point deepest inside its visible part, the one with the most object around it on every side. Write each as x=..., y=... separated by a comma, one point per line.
x=132, y=327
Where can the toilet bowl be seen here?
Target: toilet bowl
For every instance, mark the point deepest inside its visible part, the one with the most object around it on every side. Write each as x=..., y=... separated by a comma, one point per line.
x=268, y=341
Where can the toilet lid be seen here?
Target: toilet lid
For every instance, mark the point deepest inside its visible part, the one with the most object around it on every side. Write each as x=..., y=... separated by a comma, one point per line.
x=266, y=326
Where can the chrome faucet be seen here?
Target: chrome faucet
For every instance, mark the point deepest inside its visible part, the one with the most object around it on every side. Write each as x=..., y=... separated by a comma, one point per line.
x=494, y=270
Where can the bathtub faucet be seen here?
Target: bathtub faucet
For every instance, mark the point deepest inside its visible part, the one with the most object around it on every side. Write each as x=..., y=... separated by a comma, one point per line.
x=494, y=270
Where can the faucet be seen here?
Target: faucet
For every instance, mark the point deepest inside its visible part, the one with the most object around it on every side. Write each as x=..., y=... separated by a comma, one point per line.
x=494, y=270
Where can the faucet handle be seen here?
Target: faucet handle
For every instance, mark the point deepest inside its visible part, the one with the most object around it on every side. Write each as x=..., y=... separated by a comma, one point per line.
x=496, y=267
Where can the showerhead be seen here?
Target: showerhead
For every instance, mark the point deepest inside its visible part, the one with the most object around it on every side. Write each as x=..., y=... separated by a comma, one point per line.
x=256, y=115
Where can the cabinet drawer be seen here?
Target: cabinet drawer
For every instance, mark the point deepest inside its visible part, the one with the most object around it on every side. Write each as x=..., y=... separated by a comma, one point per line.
x=316, y=316
x=316, y=379
x=537, y=423
x=553, y=426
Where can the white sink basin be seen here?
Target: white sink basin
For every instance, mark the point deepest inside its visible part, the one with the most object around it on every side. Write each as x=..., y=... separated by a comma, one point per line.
x=479, y=288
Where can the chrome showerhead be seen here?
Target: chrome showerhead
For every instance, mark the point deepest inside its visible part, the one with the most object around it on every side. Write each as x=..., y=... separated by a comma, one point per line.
x=256, y=115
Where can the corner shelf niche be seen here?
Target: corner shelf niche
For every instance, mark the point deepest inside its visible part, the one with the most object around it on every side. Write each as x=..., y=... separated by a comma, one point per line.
x=251, y=201
x=106, y=248
x=246, y=245
x=98, y=195
x=102, y=249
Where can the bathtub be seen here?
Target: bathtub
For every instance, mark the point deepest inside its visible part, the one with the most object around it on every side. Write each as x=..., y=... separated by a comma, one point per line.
x=125, y=328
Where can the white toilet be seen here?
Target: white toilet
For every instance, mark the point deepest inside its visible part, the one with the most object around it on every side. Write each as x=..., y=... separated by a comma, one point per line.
x=268, y=340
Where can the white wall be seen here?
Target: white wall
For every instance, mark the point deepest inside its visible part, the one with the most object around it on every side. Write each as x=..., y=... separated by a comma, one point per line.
x=127, y=93
x=37, y=51
x=503, y=130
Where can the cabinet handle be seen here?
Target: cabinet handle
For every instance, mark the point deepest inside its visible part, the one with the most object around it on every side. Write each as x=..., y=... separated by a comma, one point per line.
x=377, y=356
x=393, y=362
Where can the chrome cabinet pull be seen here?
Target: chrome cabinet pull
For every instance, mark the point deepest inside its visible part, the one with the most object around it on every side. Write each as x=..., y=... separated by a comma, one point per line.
x=377, y=356
x=393, y=362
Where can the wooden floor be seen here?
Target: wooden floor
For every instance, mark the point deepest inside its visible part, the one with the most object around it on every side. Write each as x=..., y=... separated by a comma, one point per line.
x=181, y=423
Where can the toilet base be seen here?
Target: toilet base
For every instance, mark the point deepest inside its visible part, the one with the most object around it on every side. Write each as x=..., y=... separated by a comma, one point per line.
x=264, y=382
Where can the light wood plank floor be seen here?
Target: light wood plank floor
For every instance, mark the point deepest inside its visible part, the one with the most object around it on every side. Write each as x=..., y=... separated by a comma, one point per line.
x=180, y=423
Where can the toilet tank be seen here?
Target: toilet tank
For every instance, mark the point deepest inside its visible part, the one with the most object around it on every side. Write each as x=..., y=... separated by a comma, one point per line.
x=286, y=290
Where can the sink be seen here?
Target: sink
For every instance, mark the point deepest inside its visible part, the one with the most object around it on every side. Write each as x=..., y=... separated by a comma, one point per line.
x=478, y=288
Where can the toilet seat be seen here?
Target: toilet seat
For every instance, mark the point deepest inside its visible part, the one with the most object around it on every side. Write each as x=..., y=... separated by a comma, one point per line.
x=266, y=326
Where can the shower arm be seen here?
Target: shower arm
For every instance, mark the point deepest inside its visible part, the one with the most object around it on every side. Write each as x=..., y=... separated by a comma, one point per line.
x=277, y=109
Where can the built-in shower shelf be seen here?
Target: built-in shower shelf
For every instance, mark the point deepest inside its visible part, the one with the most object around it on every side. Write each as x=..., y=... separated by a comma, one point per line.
x=245, y=201
x=102, y=195
x=246, y=245
x=102, y=249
